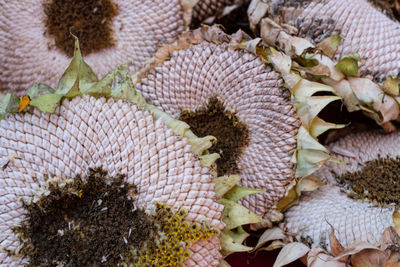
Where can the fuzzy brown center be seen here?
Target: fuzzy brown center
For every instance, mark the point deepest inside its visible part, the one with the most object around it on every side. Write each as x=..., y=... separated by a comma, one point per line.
x=89, y=20
x=85, y=223
x=378, y=180
x=232, y=135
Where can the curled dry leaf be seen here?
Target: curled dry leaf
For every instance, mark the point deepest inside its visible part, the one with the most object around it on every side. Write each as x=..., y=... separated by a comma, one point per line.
x=290, y=253
x=270, y=235
x=336, y=247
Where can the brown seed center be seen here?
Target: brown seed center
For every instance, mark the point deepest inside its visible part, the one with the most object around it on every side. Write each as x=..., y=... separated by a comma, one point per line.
x=89, y=20
x=85, y=223
x=232, y=135
x=378, y=180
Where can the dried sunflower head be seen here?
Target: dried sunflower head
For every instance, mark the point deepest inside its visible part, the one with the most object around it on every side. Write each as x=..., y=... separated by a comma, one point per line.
x=360, y=197
x=117, y=136
x=314, y=61
x=222, y=85
x=108, y=125
x=37, y=42
x=368, y=29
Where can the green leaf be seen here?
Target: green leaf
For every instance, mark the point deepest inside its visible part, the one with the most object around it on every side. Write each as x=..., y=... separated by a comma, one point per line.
x=391, y=86
x=47, y=102
x=348, y=66
x=238, y=192
x=39, y=89
x=122, y=85
x=8, y=104
x=235, y=215
x=78, y=76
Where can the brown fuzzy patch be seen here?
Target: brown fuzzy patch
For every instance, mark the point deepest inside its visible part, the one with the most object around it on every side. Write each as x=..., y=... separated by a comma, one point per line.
x=89, y=222
x=232, y=134
x=378, y=180
x=89, y=20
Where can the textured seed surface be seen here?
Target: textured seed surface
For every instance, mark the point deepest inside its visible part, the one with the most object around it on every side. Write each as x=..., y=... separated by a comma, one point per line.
x=352, y=220
x=28, y=53
x=250, y=88
x=86, y=132
x=365, y=29
x=208, y=8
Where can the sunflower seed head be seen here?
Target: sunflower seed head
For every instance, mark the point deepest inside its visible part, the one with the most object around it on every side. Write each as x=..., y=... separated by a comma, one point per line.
x=29, y=42
x=368, y=32
x=353, y=219
x=121, y=138
x=203, y=64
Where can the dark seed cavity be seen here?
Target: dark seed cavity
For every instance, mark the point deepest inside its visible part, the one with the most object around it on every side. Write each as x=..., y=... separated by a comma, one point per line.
x=232, y=134
x=378, y=180
x=89, y=20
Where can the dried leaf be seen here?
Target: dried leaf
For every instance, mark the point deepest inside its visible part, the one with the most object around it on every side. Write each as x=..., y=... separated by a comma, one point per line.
x=225, y=183
x=8, y=104
x=255, y=12
x=336, y=247
x=318, y=257
x=330, y=45
x=306, y=88
x=393, y=260
x=290, y=253
x=354, y=249
x=281, y=62
x=238, y=235
x=389, y=237
x=345, y=91
x=307, y=60
x=319, y=126
x=274, y=245
x=23, y=102
x=306, y=141
x=396, y=221
x=228, y=245
x=309, y=183
x=367, y=92
x=288, y=201
x=309, y=107
x=270, y=235
x=368, y=258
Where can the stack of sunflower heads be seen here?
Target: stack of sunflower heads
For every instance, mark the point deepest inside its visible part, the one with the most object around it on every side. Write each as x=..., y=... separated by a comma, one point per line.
x=193, y=138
